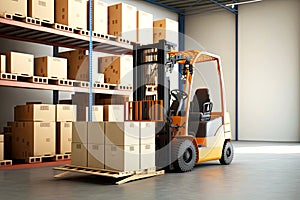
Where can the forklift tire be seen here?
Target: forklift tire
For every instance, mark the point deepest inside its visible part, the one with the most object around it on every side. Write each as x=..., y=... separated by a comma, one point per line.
x=227, y=153
x=183, y=155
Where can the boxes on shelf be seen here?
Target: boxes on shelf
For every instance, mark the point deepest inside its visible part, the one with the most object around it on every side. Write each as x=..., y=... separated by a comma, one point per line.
x=144, y=27
x=97, y=113
x=117, y=69
x=95, y=158
x=41, y=9
x=122, y=21
x=51, y=67
x=66, y=113
x=1, y=147
x=147, y=156
x=122, y=133
x=2, y=63
x=63, y=137
x=113, y=113
x=71, y=13
x=35, y=112
x=33, y=139
x=100, y=16
x=165, y=29
x=79, y=154
x=79, y=132
x=122, y=158
x=19, y=63
x=14, y=7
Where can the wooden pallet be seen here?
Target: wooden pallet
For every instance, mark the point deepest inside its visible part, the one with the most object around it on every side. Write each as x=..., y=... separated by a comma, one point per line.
x=126, y=176
x=31, y=20
x=8, y=76
x=5, y=162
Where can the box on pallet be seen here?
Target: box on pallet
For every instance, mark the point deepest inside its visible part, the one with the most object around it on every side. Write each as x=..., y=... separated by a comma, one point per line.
x=35, y=112
x=144, y=27
x=113, y=113
x=63, y=137
x=19, y=63
x=71, y=13
x=100, y=16
x=14, y=7
x=95, y=157
x=165, y=29
x=122, y=21
x=117, y=69
x=147, y=156
x=33, y=139
x=79, y=132
x=51, y=67
x=2, y=63
x=1, y=147
x=147, y=132
x=66, y=113
x=79, y=154
x=42, y=10
x=96, y=133
x=122, y=133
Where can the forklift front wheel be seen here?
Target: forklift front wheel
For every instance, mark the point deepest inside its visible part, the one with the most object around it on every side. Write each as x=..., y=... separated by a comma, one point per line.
x=183, y=155
x=227, y=153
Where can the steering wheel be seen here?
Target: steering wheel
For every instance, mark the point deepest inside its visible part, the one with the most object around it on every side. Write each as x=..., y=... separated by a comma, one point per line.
x=178, y=94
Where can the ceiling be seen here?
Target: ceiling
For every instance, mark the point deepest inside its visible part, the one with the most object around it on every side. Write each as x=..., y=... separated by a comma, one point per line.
x=191, y=7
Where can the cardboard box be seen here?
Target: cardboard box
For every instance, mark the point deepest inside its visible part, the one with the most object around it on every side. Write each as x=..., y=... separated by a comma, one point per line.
x=2, y=63
x=100, y=16
x=79, y=132
x=51, y=67
x=144, y=27
x=122, y=133
x=147, y=156
x=97, y=113
x=96, y=133
x=113, y=113
x=35, y=112
x=19, y=63
x=71, y=13
x=63, y=137
x=117, y=69
x=15, y=7
x=33, y=139
x=96, y=156
x=147, y=132
x=79, y=154
x=66, y=113
x=122, y=158
x=165, y=29
x=122, y=21
x=1, y=147
x=42, y=9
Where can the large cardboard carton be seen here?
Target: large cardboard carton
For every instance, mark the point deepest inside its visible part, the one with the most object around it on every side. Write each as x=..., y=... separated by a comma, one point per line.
x=66, y=113
x=97, y=113
x=165, y=29
x=122, y=133
x=100, y=16
x=122, y=21
x=19, y=63
x=79, y=154
x=144, y=27
x=1, y=147
x=71, y=13
x=96, y=133
x=122, y=158
x=51, y=67
x=63, y=137
x=147, y=132
x=2, y=63
x=79, y=132
x=35, y=112
x=42, y=9
x=113, y=113
x=96, y=156
x=15, y=7
x=147, y=156
x=33, y=139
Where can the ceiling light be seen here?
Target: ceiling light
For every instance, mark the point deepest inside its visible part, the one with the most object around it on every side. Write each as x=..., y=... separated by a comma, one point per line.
x=240, y=3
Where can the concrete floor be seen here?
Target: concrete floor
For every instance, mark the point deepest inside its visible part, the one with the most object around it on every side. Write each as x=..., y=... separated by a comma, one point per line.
x=272, y=172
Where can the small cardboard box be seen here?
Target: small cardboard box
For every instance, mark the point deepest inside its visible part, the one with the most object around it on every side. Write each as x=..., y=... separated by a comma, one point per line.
x=165, y=29
x=122, y=133
x=97, y=113
x=79, y=154
x=51, y=67
x=19, y=63
x=33, y=139
x=122, y=21
x=1, y=147
x=122, y=158
x=63, y=137
x=79, y=132
x=96, y=156
x=147, y=156
x=144, y=27
x=113, y=113
x=71, y=13
x=66, y=113
x=2, y=63
x=14, y=7
x=100, y=16
x=35, y=112
x=42, y=9
x=147, y=132
x=96, y=133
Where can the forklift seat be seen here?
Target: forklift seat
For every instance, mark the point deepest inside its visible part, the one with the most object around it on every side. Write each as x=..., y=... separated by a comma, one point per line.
x=201, y=106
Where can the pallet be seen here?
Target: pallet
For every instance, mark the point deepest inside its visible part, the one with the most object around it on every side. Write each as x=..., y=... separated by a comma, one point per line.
x=63, y=27
x=31, y=20
x=8, y=76
x=107, y=86
x=62, y=157
x=82, y=84
x=64, y=82
x=124, y=87
x=5, y=163
x=102, y=36
x=15, y=16
x=44, y=158
x=123, y=40
x=127, y=176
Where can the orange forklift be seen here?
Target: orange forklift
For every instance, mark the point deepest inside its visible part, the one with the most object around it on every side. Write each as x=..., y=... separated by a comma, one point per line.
x=196, y=125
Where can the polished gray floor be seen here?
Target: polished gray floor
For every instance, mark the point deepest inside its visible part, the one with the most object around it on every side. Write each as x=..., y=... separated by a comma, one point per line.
x=259, y=171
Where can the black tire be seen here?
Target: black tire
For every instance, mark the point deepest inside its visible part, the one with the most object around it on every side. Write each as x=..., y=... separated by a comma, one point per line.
x=183, y=155
x=227, y=153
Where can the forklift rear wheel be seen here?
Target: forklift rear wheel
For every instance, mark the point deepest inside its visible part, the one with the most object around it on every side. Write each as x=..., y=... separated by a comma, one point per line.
x=227, y=153
x=183, y=155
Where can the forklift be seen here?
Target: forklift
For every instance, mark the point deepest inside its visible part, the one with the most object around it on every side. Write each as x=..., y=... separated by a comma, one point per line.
x=196, y=125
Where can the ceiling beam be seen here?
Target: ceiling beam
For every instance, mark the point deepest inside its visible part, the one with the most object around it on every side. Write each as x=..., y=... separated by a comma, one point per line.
x=165, y=6
x=223, y=6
